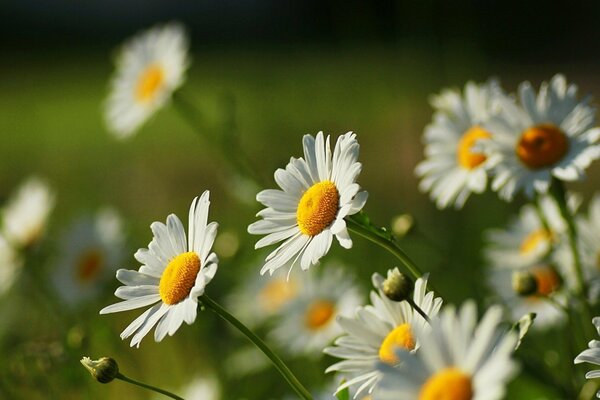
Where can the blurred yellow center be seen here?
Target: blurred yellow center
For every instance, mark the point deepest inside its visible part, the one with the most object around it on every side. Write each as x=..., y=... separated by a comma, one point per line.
x=542, y=146
x=276, y=293
x=149, y=83
x=466, y=157
x=89, y=265
x=533, y=240
x=547, y=280
x=317, y=208
x=400, y=337
x=179, y=277
x=318, y=314
x=448, y=384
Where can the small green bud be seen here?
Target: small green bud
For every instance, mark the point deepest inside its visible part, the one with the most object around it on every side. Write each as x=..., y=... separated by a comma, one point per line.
x=397, y=286
x=402, y=225
x=524, y=283
x=103, y=370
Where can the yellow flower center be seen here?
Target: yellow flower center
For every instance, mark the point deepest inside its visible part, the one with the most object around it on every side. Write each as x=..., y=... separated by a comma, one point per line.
x=149, y=83
x=542, y=146
x=400, y=337
x=89, y=265
x=466, y=157
x=448, y=384
x=317, y=208
x=179, y=277
x=318, y=314
x=534, y=239
x=547, y=280
x=276, y=293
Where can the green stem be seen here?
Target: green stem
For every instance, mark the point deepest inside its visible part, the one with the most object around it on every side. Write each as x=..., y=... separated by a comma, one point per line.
x=387, y=244
x=418, y=309
x=279, y=364
x=149, y=387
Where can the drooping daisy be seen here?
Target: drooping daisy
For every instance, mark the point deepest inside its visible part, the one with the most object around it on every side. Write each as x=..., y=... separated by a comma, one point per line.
x=459, y=359
x=308, y=322
x=453, y=169
x=591, y=355
x=317, y=193
x=376, y=331
x=150, y=67
x=26, y=213
x=545, y=136
x=91, y=249
x=173, y=275
x=10, y=265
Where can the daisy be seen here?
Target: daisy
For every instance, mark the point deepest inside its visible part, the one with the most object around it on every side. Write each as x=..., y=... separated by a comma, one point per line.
x=376, y=331
x=459, y=359
x=89, y=251
x=173, y=275
x=10, y=265
x=308, y=322
x=318, y=192
x=591, y=355
x=548, y=135
x=150, y=67
x=453, y=169
x=26, y=214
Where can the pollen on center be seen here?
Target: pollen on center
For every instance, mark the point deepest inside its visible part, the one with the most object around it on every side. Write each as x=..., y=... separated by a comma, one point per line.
x=319, y=314
x=448, y=384
x=178, y=278
x=149, y=83
x=317, y=208
x=534, y=239
x=547, y=279
x=276, y=293
x=465, y=155
x=542, y=146
x=400, y=337
x=89, y=265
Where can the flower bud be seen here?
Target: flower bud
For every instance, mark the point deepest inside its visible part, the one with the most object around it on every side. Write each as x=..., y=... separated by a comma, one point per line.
x=402, y=225
x=524, y=283
x=103, y=370
x=397, y=286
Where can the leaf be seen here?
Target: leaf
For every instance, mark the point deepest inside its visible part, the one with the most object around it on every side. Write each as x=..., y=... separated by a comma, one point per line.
x=522, y=326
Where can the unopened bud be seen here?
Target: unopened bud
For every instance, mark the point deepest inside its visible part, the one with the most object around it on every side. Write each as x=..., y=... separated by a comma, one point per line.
x=524, y=283
x=397, y=286
x=402, y=224
x=103, y=370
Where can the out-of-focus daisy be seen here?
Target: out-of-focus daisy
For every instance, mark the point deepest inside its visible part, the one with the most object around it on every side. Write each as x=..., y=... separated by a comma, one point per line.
x=26, y=213
x=459, y=359
x=453, y=169
x=317, y=193
x=591, y=355
x=173, y=274
x=308, y=322
x=91, y=250
x=150, y=66
x=202, y=388
x=548, y=135
x=271, y=294
x=10, y=265
x=376, y=331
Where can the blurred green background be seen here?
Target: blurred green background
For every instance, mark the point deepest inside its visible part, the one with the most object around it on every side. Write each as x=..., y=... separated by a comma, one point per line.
x=286, y=69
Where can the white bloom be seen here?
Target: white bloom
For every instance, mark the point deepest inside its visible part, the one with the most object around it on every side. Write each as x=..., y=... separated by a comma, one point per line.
x=591, y=355
x=150, y=66
x=453, y=169
x=26, y=214
x=459, y=359
x=548, y=135
x=376, y=331
x=173, y=275
x=317, y=193
x=90, y=252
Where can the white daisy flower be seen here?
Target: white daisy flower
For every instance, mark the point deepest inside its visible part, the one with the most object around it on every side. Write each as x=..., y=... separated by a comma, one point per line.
x=90, y=250
x=453, y=169
x=459, y=359
x=26, y=213
x=318, y=192
x=591, y=355
x=150, y=67
x=308, y=322
x=376, y=331
x=10, y=265
x=548, y=135
x=173, y=275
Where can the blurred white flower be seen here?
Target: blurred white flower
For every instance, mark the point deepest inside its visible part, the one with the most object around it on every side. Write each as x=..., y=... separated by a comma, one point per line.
x=591, y=355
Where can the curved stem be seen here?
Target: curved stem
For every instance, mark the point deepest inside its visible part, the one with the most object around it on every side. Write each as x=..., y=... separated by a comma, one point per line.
x=149, y=387
x=387, y=244
x=277, y=362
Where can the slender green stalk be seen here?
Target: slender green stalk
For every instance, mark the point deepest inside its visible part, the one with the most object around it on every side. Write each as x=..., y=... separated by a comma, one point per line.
x=418, y=309
x=387, y=244
x=149, y=387
x=277, y=362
